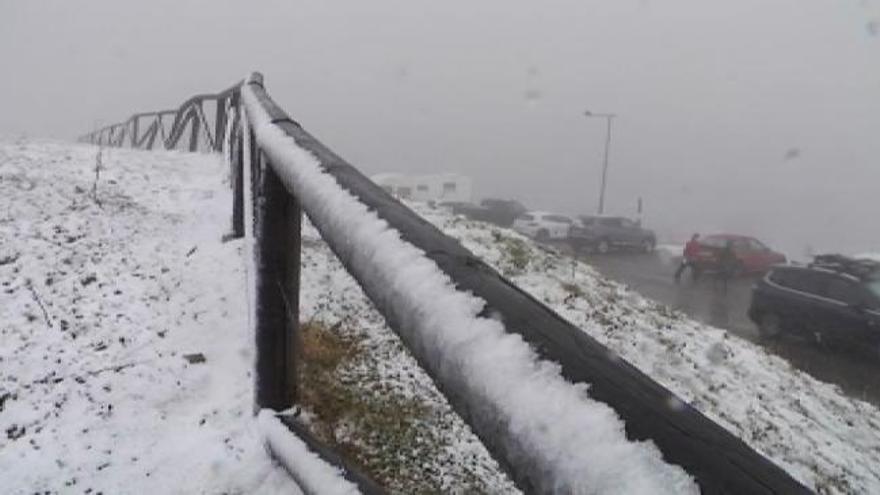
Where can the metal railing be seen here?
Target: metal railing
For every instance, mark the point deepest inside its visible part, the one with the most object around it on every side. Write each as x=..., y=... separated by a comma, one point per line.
x=716, y=459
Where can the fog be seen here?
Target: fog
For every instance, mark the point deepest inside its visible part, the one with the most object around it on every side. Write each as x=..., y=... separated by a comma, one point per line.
x=752, y=116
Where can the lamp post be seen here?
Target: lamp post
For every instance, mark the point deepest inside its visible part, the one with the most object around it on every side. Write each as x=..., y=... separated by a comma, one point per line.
x=607, y=117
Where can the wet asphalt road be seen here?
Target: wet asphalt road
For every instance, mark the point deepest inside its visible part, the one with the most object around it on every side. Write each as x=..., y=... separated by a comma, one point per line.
x=652, y=276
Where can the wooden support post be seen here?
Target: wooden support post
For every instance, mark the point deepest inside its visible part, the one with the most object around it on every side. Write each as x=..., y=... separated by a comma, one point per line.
x=277, y=253
x=236, y=155
x=120, y=140
x=256, y=172
x=220, y=125
x=135, y=143
x=194, y=130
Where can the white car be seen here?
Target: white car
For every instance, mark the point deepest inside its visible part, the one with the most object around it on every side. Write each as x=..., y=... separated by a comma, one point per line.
x=543, y=225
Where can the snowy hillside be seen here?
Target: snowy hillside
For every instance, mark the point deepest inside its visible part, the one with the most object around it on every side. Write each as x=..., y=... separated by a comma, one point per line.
x=106, y=311
x=125, y=358
x=823, y=438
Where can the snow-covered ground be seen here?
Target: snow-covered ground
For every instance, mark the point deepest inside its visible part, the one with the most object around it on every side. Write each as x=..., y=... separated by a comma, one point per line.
x=100, y=306
x=826, y=440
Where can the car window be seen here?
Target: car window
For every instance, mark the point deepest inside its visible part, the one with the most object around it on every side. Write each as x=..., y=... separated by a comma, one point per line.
x=844, y=291
x=779, y=277
x=627, y=223
x=587, y=221
x=610, y=222
x=873, y=286
x=527, y=217
x=557, y=218
x=711, y=241
x=756, y=245
x=805, y=281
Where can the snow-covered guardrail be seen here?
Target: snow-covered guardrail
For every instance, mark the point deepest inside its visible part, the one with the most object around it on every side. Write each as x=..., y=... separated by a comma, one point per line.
x=141, y=130
x=560, y=411
x=316, y=469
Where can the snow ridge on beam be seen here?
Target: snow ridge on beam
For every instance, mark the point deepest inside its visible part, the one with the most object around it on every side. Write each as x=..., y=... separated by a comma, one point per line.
x=553, y=435
x=558, y=409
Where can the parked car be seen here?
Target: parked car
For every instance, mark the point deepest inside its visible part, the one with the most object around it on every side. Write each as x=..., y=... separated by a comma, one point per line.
x=458, y=207
x=602, y=234
x=502, y=212
x=835, y=299
x=543, y=226
x=752, y=256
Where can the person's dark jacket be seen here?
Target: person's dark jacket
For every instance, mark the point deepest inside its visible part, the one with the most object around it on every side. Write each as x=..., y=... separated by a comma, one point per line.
x=727, y=261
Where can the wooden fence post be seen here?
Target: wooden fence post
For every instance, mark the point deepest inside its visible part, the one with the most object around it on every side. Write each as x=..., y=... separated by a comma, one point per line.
x=277, y=253
x=220, y=117
x=236, y=155
x=135, y=128
x=194, y=130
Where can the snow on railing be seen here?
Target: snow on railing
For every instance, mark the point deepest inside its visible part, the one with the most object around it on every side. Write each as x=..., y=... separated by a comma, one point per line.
x=315, y=469
x=560, y=411
x=193, y=114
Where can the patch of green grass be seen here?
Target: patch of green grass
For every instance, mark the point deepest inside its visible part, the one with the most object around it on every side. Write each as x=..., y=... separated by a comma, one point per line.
x=387, y=435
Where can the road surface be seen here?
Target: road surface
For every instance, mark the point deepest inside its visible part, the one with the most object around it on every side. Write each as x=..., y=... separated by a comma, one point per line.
x=652, y=276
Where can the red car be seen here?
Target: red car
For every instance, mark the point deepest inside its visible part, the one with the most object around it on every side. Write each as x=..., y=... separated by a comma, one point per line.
x=751, y=254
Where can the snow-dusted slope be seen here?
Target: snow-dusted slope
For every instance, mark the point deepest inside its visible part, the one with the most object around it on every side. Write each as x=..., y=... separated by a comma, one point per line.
x=99, y=303
x=825, y=439
x=99, y=306
x=828, y=441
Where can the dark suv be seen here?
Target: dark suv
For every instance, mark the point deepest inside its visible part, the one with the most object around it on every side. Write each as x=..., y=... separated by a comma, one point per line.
x=601, y=234
x=835, y=299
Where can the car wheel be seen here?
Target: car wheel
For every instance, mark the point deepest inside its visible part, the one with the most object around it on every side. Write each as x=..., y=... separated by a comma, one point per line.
x=770, y=325
x=603, y=247
x=648, y=245
x=542, y=235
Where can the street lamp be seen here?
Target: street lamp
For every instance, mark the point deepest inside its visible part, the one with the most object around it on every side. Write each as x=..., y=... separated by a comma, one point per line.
x=607, y=117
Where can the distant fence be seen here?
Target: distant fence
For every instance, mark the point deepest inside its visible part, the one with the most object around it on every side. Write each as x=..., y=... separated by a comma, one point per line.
x=717, y=460
x=203, y=116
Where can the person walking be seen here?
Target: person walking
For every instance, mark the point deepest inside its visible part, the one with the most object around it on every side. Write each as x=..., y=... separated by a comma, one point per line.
x=726, y=266
x=688, y=259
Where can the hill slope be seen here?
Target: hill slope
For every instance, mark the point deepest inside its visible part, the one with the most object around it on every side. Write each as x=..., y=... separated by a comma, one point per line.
x=103, y=298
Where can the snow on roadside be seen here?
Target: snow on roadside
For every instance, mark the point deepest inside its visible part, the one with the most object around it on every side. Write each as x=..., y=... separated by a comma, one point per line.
x=825, y=439
x=868, y=256
x=106, y=311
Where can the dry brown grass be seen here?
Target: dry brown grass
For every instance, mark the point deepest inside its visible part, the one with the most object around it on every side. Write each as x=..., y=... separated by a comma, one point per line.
x=361, y=418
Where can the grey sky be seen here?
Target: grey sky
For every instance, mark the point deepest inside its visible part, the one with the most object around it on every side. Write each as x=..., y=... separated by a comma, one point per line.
x=758, y=116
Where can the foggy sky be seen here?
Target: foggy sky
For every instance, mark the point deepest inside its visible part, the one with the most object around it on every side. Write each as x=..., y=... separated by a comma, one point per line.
x=754, y=116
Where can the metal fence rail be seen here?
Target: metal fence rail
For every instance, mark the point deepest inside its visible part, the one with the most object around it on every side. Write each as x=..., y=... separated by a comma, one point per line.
x=718, y=461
